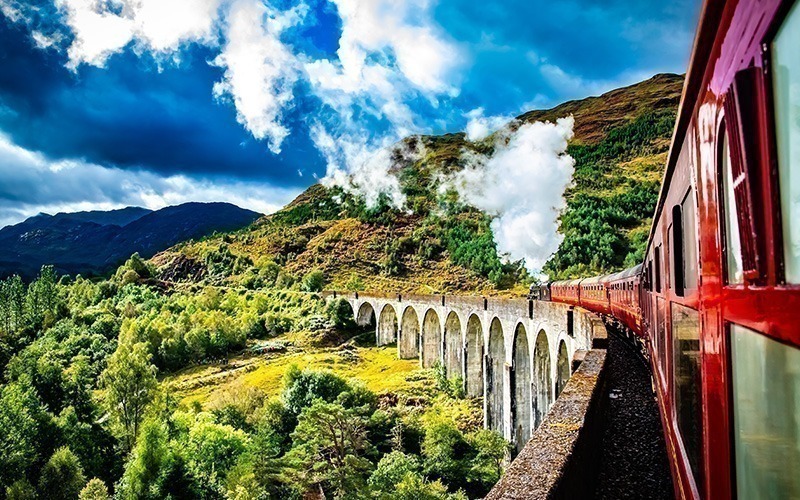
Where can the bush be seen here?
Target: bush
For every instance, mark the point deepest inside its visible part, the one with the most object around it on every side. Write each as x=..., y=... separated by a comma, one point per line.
x=453, y=387
x=354, y=284
x=314, y=281
x=340, y=313
x=277, y=324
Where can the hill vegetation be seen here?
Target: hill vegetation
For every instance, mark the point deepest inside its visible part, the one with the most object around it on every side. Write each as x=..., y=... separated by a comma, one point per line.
x=115, y=386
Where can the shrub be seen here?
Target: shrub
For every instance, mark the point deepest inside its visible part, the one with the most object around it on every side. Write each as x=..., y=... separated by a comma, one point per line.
x=391, y=470
x=314, y=281
x=354, y=284
x=340, y=313
x=21, y=490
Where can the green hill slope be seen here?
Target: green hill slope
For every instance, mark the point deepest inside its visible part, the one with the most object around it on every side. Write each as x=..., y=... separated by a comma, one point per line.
x=620, y=144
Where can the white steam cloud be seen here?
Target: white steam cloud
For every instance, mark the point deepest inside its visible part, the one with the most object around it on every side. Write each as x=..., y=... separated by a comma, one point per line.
x=480, y=127
x=521, y=185
x=361, y=169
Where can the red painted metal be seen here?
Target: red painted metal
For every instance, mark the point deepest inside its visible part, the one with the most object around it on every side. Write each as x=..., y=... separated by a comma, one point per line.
x=732, y=39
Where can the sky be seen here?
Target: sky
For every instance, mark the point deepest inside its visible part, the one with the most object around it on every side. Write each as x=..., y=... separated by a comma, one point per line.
x=110, y=103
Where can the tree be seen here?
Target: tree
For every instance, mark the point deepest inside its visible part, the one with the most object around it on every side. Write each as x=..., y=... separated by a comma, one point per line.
x=19, y=408
x=12, y=305
x=213, y=448
x=61, y=477
x=446, y=452
x=301, y=388
x=491, y=450
x=129, y=382
x=21, y=490
x=95, y=489
x=330, y=444
x=41, y=299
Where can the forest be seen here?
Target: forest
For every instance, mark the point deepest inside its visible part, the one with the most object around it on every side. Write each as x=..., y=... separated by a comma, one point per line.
x=87, y=412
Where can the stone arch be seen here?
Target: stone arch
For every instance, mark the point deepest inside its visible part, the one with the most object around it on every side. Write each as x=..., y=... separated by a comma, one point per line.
x=473, y=357
x=366, y=315
x=563, y=371
x=452, y=345
x=495, y=366
x=387, y=326
x=408, y=338
x=431, y=339
x=521, y=389
x=541, y=378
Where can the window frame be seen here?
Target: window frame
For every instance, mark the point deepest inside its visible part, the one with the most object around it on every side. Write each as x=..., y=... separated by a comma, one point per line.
x=722, y=212
x=768, y=102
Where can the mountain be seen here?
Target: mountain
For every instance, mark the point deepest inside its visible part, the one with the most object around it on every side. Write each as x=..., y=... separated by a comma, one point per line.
x=120, y=217
x=92, y=243
x=440, y=245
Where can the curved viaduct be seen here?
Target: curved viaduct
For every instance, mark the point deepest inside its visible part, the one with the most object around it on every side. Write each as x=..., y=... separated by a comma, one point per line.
x=515, y=353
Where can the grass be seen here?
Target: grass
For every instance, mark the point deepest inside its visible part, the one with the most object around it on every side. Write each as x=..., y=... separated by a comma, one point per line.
x=377, y=367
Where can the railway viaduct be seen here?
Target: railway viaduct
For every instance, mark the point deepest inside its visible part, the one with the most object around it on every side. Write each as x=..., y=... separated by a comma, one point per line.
x=515, y=353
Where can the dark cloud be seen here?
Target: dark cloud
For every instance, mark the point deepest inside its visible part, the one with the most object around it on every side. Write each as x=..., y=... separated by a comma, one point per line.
x=133, y=115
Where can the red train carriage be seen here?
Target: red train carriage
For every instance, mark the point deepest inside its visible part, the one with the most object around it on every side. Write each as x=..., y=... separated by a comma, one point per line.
x=595, y=294
x=719, y=297
x=566, y=291
x=624, y=288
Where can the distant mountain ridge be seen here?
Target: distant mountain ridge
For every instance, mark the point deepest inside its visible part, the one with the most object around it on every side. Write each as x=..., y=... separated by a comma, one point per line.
x=95, y=242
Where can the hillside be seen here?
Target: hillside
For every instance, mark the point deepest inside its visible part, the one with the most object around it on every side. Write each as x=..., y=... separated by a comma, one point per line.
x=96, y=242
x=620, y=145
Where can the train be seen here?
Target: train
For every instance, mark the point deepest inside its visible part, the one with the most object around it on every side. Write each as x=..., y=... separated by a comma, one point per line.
x=715, y=303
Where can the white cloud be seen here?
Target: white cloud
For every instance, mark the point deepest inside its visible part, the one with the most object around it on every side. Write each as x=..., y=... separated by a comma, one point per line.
x=30, y=183
x=166, y=24
x=480, y=127
x=103, y=28
x=522, y=187
x=390, y=52
x=99, y=33
x=260, y=70
x=402, y=29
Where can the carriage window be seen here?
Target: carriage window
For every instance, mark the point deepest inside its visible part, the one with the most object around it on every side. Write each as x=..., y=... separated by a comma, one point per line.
x=686, y=371
x=661, y=332
x=786, y=90
x=766, y=415
x=676, y=249
x=658, y=269
x=689, y=238
x=733, y=246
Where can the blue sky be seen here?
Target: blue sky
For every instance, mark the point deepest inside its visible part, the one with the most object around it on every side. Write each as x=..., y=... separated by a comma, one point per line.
x=107, y=103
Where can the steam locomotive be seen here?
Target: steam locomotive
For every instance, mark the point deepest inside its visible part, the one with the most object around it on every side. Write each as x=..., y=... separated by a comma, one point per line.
x=715, y=305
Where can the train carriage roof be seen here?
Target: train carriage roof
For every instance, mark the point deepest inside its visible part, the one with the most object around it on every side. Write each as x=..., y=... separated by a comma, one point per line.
x=625, y=274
